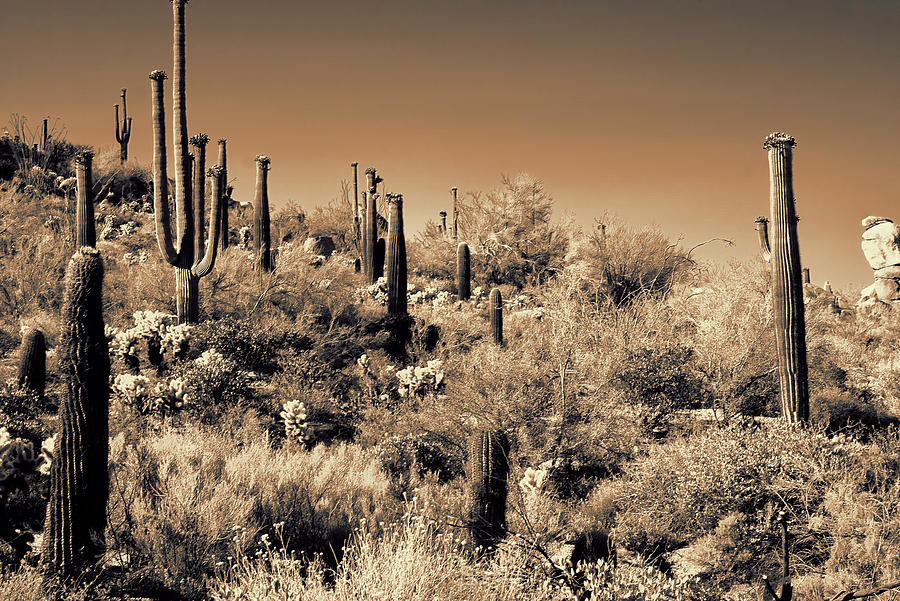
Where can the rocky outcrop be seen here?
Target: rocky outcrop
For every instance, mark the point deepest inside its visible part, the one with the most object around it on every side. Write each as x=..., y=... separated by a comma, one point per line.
x=881, y=247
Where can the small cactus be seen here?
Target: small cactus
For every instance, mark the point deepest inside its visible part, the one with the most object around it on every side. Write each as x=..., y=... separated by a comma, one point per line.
x=85, y=229
x=33, y=364
x=443, y=226
x=79, y=481
x=455, y=214
x=123, y=132
x=463, y=272
x=488, y=483
x=396, y=257
x=496, y=307
x=261, y=216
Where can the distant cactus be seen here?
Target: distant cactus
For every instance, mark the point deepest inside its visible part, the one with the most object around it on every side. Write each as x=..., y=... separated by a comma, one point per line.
x=380, y=254
x=45, y=137
x=806, y=275
x=261, y=216
x=178, y=251
x=356, y=228
x=443, y=227
x=488, y=483
x=455, y=215
x=33, y=364
x=223, y=164
x=79, y=481
x=396, y=257
x=123, y=132
x=496, y=307
x=463, y=272
x=371, y=231
x=787, y=293
x=85, y=229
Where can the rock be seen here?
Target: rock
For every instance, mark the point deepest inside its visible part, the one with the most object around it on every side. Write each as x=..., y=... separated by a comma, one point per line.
x=319, y=245
x=891, y=271
x=881, y=242
x=887, y=289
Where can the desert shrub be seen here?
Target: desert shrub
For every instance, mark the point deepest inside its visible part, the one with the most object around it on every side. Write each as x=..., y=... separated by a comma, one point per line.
x=127, y=182
x=418, y=454
x=836, y=410
x=182, y=502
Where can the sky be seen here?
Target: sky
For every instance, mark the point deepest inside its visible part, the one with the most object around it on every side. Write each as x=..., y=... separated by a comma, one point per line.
x=652, y=110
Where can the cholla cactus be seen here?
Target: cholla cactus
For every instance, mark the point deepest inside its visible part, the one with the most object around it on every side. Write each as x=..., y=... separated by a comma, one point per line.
x=295, y=425
x=169, y=397
x=244, y=236
x=109, y=230
x=132, y=389
x=421, y=380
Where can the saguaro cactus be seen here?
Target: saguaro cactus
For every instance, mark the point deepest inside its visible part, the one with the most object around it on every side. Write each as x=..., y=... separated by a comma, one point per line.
x=123, y=132
x=223, y=165
x=496, y=307
x=263, y=240
x=199, y=142
x=806, y=275
x=455, y=215
x=180, y=252
x=463, y=272
x=371, y=233
x=488, y=475
x=443, y=226
x=33, y=363
x=396, y=257
x=79, y=481
x=356, y=229
x=45, y=136
x=85, y=229
x=380, y=253
x=787, y=287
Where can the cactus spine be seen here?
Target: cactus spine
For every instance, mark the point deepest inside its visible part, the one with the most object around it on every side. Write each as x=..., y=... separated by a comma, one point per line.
x=496, y=306
x=223, y=165
x=488, y=475
x=463, y=272
x=33, y=364
x=396, y=257
x=178, y=251
x=787, y=293
x=263, y=240
x=455, y=215
x=79, y=481
x=123, y=132
x=85, y=229
x=371, y=233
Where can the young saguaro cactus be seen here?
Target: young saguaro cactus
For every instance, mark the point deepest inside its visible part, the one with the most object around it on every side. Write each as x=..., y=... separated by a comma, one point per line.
x=455, y=214
x=787, y=287
x=33, y=363
x=179, y=251
x=488, y=485
x=443, y=226
x=396, y=257
x=463, y=272
x=123, y=131
x=495, y=302
x=45, y=137
x=223, y=165
x=371, y=231
x=85, y=229
x=79, y=481
x=261, y=233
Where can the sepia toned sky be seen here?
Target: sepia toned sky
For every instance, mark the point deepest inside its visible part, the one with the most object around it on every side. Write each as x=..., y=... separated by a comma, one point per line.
x=655, y=111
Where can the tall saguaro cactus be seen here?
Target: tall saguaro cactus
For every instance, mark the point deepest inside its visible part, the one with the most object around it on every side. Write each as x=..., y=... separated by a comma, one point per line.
x=123, y=132
x=85, y=228
x=463, y=272
x=495, y=302
x=179, y=251
x=356, y=229
x=261, y=233
x=371, y=233
x=79, y=481
x=223, y=165
x=488, y=484
x=787, y=287
x=33, y=363
x=396, y=257
x=198, y=178
x=455, y=215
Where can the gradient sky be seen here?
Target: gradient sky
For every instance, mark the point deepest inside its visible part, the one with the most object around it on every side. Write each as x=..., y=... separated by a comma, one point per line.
x=655, y=111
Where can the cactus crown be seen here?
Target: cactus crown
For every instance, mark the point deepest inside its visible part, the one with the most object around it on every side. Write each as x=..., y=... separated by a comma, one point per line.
x=354, y=164
x=395, y=198
x=199, y=140
x=84, y=157
x=443, y=213
x=779, y=140
x=263, y=161
x=214, y=171
x=761, y=219
x=370, y=170
x=222, y=140
x=454, y=189
x=158, y=75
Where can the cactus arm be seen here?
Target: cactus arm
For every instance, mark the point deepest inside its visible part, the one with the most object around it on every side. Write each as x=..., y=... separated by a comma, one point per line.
x=199, y=142
x=762, y=228
x=160, y=178
x=118, y=136
x=223, y=163
x=216, y=202
x=126, y=131
x=127, y=137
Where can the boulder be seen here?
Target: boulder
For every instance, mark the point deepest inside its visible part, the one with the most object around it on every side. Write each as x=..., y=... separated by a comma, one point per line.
x=881, y=242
